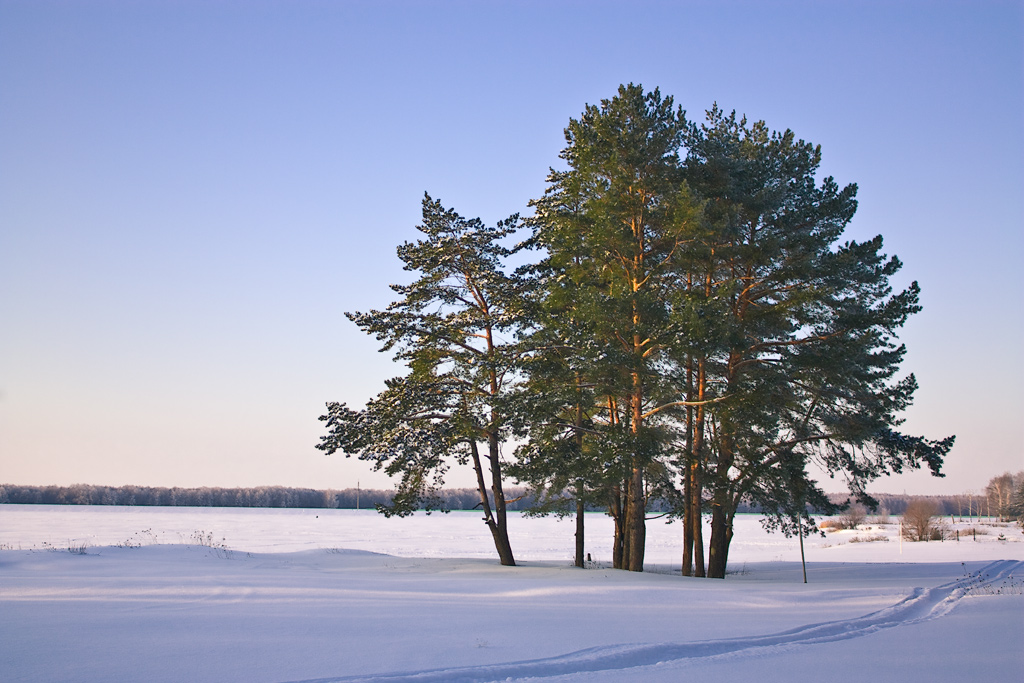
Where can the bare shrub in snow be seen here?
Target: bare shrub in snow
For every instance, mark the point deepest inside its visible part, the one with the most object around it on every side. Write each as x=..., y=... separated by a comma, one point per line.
x=981, y=583
x=138, y=539
x=882, y=517
x=850, y=519
x=854, y=515
x=919, y=523
x=206, y=540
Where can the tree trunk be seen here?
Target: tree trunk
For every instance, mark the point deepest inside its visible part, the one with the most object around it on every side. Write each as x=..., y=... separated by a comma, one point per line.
x=692, y=520
x=693, y=534
x=501, y=531
x=636, y=503
x=696, y=487
x=579, y=530
x=497, y=532
x=687, y=569
x=481, y=487
x=616, y=510
x=723, y=506
x=579, y=484
x=721, y=517
x=636, y=512
x=721, y=536
x=697, y=493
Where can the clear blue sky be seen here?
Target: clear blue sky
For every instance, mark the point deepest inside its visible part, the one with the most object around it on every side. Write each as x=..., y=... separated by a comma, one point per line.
x=192, y=194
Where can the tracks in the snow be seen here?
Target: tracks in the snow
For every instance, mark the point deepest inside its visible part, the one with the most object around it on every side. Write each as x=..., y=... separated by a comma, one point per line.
x=922, y=605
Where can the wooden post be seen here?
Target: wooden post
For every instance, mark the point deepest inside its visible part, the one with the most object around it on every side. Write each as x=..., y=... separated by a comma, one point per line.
x=803, y=562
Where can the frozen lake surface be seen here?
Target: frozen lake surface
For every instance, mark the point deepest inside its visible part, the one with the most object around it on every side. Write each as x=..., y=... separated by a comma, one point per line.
x=459, y=534
x=214, y=594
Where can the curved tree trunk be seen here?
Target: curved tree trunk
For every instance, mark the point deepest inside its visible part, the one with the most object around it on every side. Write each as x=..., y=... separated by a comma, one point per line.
x=500, y=531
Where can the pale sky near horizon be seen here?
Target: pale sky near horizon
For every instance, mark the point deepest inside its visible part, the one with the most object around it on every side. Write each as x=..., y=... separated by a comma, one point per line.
x=193, y=193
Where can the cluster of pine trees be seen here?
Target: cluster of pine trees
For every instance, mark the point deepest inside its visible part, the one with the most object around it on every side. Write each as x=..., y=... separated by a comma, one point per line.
x=692, y=329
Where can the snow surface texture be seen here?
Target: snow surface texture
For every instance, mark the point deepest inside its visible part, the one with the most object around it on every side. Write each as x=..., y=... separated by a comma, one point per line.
x=174, y=594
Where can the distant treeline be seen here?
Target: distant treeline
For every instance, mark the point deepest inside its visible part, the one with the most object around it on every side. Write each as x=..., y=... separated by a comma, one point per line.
x=256, y=497
x=350, y=499
x=895, y=504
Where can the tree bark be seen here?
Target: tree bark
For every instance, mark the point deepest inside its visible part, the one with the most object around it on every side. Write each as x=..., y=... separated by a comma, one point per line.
x=697, y=493
x=722, y=510
x=501, y=527
x=579, y=531
x=499, y=532
x=693, y=546
x=636, y=504
x=635, y=521
x=481, y=487
x=616, y=510
x=687, y=568
x=579, y=484
x=696, y=467
x=721, y=537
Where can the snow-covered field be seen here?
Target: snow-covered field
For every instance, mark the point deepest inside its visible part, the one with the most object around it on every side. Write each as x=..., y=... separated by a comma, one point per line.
x=208, y=594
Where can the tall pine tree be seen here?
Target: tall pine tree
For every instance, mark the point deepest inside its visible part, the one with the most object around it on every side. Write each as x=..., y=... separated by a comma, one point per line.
x=612, y=226
x=808, y=358
x=455, y=327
